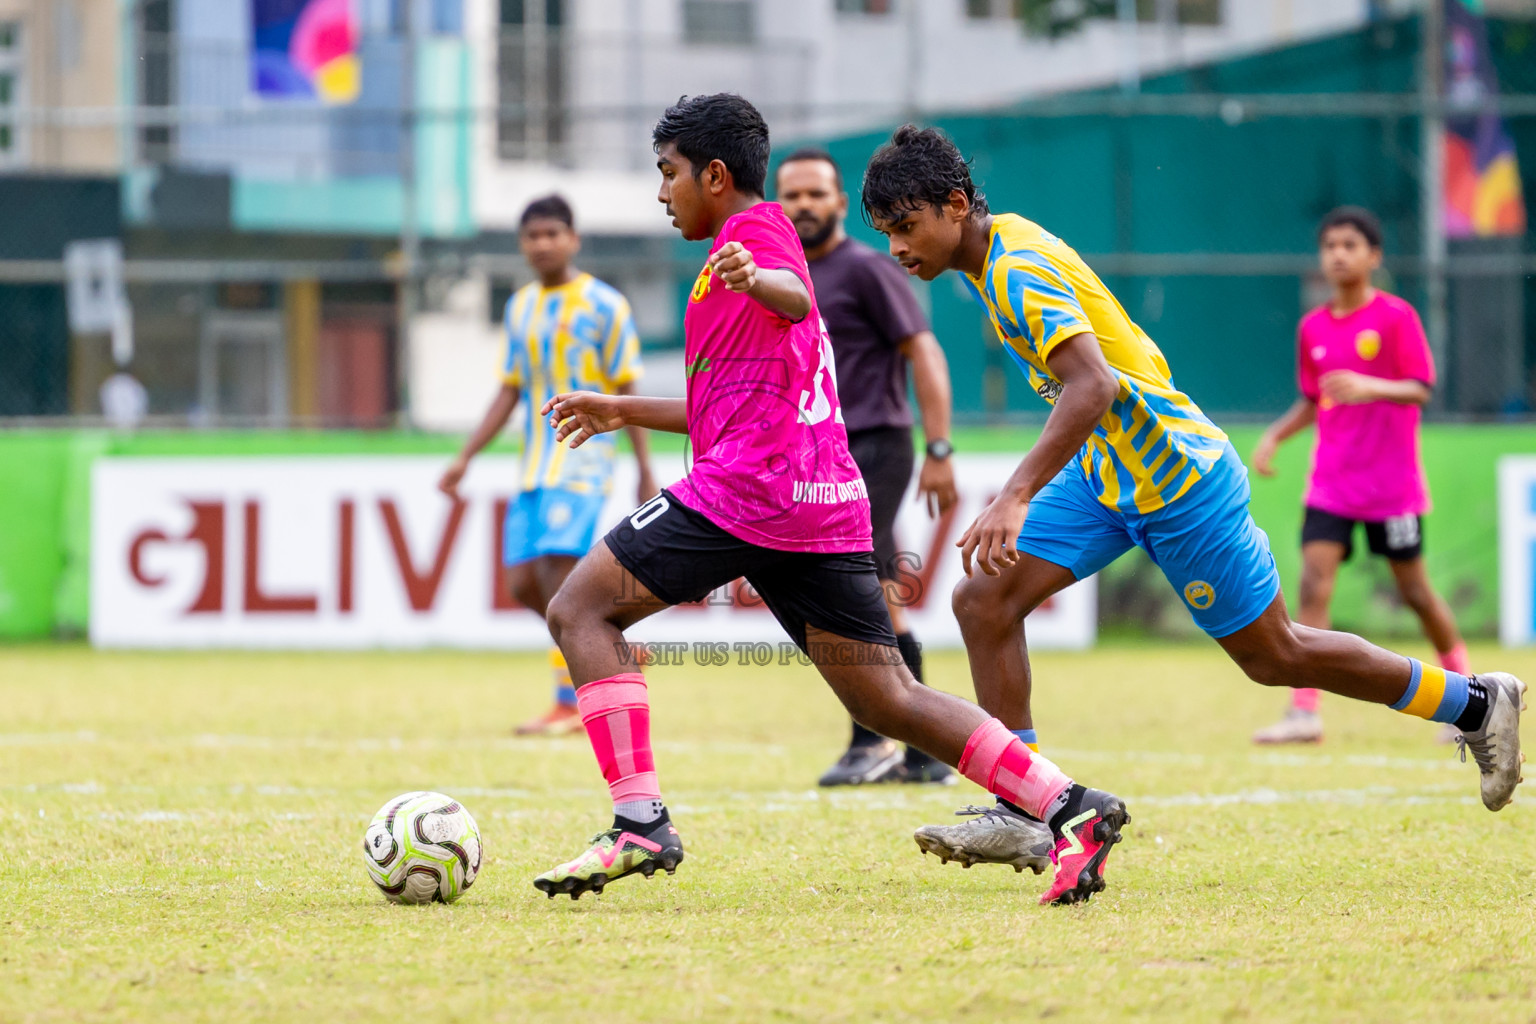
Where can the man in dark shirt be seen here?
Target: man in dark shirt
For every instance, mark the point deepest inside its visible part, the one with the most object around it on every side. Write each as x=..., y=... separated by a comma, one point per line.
x=877, y=332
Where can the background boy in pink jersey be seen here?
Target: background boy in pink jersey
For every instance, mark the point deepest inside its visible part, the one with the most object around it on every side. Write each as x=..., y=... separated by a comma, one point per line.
x=1364, y=371
x=773, y=495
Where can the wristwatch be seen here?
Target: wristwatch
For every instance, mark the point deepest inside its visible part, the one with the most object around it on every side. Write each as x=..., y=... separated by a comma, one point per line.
x=940, y=448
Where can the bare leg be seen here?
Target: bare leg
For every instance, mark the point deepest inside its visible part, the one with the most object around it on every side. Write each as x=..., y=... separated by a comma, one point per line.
x=1275, y=651
x=876, y=688
x=523, y=581
x=991, y=612
x=1319, y=570
x=1434, y=614
x=535, y=582
x=587, y=617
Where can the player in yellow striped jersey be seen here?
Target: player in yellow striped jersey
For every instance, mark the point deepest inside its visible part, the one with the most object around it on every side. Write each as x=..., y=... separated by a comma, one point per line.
x=1125, y=460
x=567, y=331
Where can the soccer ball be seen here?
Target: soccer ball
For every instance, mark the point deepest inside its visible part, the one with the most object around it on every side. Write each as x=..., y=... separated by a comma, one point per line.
x=422, y=847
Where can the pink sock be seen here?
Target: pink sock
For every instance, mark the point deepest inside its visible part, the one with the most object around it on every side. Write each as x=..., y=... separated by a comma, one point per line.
x=1456, y=661
x=617, y=714
x=1304, y=698
x=999, y=760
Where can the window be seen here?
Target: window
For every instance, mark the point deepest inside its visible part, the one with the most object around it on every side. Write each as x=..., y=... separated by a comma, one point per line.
x=1185, y=12
x=728, y=22
x=864, y=6
x=157, y=74
x=12, y=61
x=1057, y=18
x=531, y=79
x=988, y=9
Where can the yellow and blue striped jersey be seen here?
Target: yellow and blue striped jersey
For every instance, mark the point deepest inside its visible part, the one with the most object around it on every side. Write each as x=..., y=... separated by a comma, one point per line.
x=577, y=337
x=1154, y=443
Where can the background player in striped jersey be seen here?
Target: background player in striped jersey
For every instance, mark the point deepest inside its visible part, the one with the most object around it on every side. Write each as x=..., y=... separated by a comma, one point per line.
x=1364, y=370
x=566, y=331
x=1125, y=459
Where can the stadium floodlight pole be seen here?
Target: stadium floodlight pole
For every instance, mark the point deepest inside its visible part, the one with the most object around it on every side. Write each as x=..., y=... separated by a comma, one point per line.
x=1432, y=180
x=410, y=237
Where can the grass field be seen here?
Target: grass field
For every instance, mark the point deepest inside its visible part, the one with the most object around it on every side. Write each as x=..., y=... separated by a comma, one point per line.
x=182, y=843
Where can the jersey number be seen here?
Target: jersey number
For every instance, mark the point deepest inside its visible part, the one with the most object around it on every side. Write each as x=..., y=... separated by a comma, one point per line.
x=816, y=404
x=648, y=513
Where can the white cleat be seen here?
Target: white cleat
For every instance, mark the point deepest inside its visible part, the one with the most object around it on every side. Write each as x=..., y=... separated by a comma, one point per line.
x=994, y=835
x=1496, y=746
x=1296, y=727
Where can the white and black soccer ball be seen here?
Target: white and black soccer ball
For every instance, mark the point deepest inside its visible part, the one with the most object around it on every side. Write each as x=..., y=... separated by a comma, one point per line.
x=422, y=847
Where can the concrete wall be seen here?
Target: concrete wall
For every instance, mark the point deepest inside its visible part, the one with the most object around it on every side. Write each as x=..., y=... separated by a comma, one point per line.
x=72, y=61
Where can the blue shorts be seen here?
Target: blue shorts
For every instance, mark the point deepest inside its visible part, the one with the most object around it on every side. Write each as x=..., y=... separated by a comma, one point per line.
x=550, y=521
x=1205, y=542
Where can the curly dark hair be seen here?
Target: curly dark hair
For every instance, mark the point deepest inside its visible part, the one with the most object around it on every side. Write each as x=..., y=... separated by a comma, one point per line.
x=723, y=127
x=919, y=167
x=1357, y=217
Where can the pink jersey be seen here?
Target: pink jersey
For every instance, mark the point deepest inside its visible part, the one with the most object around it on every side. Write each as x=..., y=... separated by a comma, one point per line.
x=1366, y=465
x=770, y=455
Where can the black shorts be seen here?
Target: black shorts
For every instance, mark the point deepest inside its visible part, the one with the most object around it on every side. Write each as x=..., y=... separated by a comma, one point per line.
x=680, y=556
x=885, y=458
x=1400, y=539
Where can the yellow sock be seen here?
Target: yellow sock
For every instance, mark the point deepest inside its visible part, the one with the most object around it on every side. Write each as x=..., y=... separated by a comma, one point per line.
x=565, y=693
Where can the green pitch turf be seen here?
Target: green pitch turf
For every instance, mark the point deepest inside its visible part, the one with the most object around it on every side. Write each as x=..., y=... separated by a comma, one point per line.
x=182, y=842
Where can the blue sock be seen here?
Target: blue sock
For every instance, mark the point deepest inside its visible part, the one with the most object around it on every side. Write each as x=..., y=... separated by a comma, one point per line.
x=1433, y=693
x=1028, y=738
x=565, y=694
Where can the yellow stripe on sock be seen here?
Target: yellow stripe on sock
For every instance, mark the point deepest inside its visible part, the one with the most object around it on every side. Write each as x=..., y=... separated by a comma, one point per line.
x=1034, y=748
x=556, y=659
x=1431, y=692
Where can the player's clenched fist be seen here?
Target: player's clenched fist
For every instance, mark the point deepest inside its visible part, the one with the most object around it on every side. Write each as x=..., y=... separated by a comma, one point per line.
x=580, y=415
x=733, y=264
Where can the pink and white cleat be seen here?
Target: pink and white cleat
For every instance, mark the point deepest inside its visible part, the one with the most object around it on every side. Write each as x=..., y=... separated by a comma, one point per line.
x=1083, y=846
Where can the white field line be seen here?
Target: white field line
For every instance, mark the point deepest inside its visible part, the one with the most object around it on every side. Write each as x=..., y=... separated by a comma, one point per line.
x=725, y=802
x=359, y=744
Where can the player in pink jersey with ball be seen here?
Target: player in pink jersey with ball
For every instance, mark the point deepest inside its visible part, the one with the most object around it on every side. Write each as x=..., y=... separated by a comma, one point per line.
x=773, y=496
x=1365, y=371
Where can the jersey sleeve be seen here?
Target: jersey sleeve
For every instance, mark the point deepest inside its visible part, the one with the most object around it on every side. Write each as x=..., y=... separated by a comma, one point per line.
x=774, y=246
x=889, y=302
x=1411, y=355
x=512, y=366
x=621, y=346
x=1042, y=303
x=1306, y=366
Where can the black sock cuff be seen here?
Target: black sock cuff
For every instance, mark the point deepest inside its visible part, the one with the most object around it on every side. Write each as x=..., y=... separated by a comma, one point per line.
x=911, y=653
x=1069, y=810
x=641, y=828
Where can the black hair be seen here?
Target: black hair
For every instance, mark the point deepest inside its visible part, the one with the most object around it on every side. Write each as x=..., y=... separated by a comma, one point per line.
x=723, y=127
x=550, y=207
x=919, y=167
x=1357, y=217
x=812, y=153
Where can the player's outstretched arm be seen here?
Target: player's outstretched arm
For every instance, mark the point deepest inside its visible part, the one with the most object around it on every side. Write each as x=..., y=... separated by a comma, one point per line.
x=1088, y=390
x=580, y=415
x=780, y=290
x=1350, y=388
x=1297, y=418
x=491, y=424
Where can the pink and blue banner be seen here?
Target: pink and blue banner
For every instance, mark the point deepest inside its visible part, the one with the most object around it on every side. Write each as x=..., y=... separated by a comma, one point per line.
x=1483, y=197
x=305, y=49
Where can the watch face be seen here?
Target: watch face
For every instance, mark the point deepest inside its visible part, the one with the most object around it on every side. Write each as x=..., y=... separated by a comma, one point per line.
x=940, y=449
